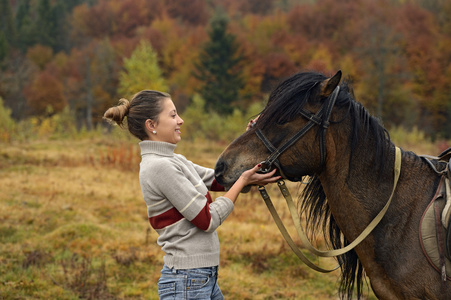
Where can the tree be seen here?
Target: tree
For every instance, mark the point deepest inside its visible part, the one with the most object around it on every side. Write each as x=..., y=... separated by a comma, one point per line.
x=46, y=24
x=7, y=125
x=16, y=74
x=40, y=55
x=24, y=26
x=3, y=47
x=90, y=81
x=45, y=95
x=184, y=9
x=141, y=72
x=7, y=29
x=7, y=22
x=219, y=67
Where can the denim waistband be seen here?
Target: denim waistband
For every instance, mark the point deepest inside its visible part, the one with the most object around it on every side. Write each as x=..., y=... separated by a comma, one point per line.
x=211, y=271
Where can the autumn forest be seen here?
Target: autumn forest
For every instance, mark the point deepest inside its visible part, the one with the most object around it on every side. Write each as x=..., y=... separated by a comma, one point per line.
x=79, y=57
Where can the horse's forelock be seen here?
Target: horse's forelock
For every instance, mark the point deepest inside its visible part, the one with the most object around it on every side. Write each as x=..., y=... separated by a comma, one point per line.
x=289, y=97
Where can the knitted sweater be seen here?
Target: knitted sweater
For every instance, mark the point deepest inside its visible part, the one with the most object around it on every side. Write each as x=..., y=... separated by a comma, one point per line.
x=179, y=206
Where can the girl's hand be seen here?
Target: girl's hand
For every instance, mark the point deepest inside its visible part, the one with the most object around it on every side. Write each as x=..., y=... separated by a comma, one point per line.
x=252, y=177
x=252, y=123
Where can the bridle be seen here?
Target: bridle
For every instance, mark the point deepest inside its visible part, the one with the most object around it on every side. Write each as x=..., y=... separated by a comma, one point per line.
x=321, y=118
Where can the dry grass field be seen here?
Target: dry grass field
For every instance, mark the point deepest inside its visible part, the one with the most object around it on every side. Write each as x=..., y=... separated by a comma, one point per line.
x=73, y=225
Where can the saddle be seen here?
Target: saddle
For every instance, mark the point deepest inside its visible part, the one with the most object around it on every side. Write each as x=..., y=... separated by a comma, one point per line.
x=435, y=224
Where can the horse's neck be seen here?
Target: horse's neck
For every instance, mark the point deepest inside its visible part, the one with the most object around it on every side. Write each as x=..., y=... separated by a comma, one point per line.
x=357, y=189
x=356, y=192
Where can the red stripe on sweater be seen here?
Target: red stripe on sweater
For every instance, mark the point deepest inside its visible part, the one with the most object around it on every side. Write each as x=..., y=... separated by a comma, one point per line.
x=216, y=187
x=165, y=219
x=203, y=218
x=208, y=196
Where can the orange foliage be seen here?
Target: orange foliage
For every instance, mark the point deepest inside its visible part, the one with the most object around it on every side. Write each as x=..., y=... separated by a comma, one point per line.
x=45, y=91
x=183, y=9
x=401, y=47
x=116, y=17
x=278, y=65
x=40, y=55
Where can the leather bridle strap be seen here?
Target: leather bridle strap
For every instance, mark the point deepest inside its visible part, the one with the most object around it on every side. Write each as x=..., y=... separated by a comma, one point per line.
x=320, y=118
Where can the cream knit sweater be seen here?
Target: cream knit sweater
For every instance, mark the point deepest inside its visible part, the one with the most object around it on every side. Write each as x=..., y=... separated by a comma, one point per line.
x=179, y=206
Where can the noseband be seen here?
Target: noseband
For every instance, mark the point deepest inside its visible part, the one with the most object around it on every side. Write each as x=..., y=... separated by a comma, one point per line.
x=321, y=118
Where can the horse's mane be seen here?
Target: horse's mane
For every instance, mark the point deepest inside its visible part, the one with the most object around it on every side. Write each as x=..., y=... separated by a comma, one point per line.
x=284, y=105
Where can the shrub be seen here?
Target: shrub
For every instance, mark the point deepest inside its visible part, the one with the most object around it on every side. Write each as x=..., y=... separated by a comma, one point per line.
x=7, y=125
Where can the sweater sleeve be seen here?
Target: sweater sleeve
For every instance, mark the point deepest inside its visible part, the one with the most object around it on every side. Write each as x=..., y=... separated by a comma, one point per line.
x=208, y=177
x=189, y=198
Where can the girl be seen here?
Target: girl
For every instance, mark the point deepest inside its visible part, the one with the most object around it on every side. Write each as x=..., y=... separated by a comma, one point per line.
x=175, y=190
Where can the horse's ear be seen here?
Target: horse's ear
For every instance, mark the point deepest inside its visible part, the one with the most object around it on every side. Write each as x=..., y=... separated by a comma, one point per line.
x=329, y=85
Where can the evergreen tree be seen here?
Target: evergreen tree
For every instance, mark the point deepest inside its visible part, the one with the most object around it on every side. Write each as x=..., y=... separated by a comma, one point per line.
x=47, y=24
x=24, y=26
x=7, y=22
x=3, y=47
x=60, y=30
x=141, y=72
x=219, y=67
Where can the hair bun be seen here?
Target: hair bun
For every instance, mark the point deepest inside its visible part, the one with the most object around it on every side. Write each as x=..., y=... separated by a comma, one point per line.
x=116, y=114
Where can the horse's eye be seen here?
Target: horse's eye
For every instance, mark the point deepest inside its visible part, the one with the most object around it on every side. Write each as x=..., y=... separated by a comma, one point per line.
x=282, y=122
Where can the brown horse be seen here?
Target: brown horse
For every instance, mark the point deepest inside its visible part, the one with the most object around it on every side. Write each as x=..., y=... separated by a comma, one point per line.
x=349, y=158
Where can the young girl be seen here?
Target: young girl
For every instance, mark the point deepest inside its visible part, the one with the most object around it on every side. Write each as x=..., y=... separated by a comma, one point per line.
x=175, y=190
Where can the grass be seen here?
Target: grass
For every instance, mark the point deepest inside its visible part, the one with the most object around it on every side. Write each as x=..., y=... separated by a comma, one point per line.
x=73, y=225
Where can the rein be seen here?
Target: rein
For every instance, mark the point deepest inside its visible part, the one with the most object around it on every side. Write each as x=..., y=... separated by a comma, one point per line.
x=304, y=239
x=324, y=112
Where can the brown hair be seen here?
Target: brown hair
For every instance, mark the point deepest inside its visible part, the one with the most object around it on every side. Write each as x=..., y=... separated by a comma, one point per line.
x=144, y=105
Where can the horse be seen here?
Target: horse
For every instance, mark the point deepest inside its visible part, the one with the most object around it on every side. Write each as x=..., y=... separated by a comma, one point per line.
x=349, y=160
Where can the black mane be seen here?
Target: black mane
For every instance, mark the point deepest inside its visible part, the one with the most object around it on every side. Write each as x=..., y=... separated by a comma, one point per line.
x=283, y=106
x=290, y=96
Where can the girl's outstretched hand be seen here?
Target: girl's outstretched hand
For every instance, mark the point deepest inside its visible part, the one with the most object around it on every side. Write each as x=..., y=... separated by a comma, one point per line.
x=252, y=177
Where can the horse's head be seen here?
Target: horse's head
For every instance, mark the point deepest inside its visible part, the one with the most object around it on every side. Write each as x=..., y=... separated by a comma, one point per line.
x=290, y=132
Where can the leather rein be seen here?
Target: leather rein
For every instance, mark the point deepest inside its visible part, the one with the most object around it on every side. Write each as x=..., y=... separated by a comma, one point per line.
x=321, y=118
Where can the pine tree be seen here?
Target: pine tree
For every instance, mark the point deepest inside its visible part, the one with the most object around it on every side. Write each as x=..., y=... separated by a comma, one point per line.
x=3, y=47
x=141, y=72
x=219, y=67
x=25, y=28
x=47, y=24
x=7, y=22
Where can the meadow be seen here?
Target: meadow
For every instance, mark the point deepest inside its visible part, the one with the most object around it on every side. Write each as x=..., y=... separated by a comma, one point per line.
x=74, y=226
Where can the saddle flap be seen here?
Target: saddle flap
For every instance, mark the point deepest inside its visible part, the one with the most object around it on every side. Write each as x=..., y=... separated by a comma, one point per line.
x=429, y=238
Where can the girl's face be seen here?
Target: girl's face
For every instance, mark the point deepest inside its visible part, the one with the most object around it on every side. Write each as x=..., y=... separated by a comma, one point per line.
x=168, y=126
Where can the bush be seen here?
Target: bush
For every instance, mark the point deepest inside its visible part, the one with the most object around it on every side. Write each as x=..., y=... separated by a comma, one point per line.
x=7, y=125
x=194, y=116
x=203, y=124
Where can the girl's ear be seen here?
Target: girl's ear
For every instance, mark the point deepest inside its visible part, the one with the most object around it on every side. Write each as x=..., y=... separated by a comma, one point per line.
x=149, y=125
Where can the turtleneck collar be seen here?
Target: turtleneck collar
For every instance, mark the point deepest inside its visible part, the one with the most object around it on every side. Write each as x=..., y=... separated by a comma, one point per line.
x=159, y=148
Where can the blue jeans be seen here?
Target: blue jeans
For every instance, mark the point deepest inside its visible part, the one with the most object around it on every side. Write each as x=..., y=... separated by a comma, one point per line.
x=201, y=283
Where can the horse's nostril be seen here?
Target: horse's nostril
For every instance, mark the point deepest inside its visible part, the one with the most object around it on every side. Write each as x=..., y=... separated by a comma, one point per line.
x=220, y=168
